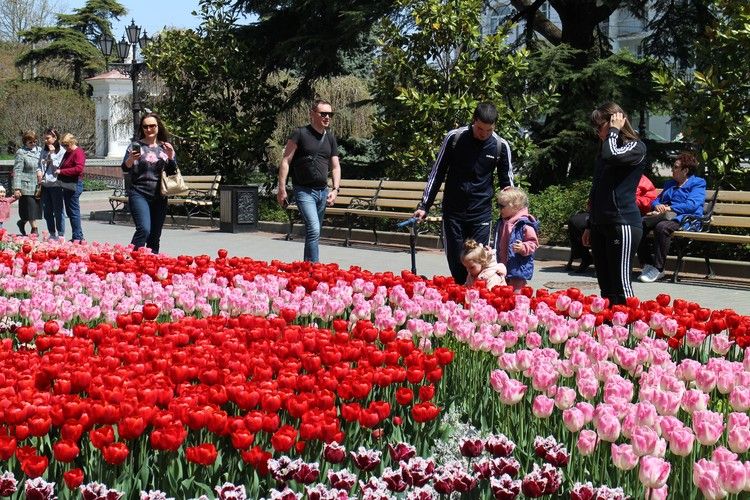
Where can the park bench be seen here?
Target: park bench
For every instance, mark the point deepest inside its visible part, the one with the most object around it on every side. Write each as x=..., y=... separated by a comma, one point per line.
x=200, y=198
x=726, y=219
x=118, y=200
x=374, y=199
x=352, y=193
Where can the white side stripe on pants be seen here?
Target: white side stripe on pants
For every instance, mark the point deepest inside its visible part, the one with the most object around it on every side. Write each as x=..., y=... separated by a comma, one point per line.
x=627, y=243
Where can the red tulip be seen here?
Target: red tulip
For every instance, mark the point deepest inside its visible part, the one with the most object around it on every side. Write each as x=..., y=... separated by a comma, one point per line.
x=34, y=466
x=115, y=453
x=65, y=450
x=73, y=478
x=150, y=311
x=203, y=454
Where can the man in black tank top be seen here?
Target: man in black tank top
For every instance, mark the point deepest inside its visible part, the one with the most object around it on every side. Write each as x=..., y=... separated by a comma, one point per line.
x=309, y=154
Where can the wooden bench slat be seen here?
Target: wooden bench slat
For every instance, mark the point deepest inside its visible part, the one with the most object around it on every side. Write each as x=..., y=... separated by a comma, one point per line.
x=733, y=196
x=731, y=209
x=713, y=237
x=730, y=221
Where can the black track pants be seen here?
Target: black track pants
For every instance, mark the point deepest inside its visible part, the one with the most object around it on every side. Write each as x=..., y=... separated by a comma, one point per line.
x=613, y=247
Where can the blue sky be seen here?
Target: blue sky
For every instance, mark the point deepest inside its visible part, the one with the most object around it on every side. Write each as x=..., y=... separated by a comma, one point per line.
x=152, y=15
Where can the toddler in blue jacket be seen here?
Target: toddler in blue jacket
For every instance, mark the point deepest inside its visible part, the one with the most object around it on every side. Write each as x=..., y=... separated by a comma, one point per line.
x=516, y=237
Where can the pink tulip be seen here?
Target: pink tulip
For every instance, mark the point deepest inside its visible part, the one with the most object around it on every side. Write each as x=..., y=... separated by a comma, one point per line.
x=705, y=379
x=725, y=381
x=640, y=329
x=562, y=303
x=533, y=340
x=694, y=337
x=623, y=456
x=598, y=304
x=512, y=392
x=654, y=472
x=720, y=344
x=626, y=358
x=721, y=454
x=738, y=420
x=667, y=425
x=706, y=479
x=681, y=441
x=643, y=440
x=746, y=359
x=587, y=385
x=687, y=369
x=565, y=397
x=587, y=409
x=658, y=493
x=542, y=406
x=646, y=414
x=586, y=443
x=575, y=309
x=694, y=400
x=620, y=318
x=543, y=376
x=573, y=419
x=739, y=398
x=667, y=402
x=732, y=476
x=558, y=334
x=608, y=426
x=708, y=427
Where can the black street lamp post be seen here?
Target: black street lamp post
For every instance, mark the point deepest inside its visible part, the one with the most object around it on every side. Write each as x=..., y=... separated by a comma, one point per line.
x=124, y=48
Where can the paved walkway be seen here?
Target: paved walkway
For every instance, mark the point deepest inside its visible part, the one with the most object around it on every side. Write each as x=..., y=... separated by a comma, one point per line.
x=267, y=246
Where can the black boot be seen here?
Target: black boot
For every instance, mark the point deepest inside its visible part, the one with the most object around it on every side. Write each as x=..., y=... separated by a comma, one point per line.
x=22, y=227
x=586, y=261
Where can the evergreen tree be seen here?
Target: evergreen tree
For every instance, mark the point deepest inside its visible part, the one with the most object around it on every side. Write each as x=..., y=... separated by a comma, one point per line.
x=71, y=41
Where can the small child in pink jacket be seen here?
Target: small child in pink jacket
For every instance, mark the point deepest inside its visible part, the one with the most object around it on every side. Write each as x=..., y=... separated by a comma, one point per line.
x=516, y=237
x=5, y=202
x=479, y=261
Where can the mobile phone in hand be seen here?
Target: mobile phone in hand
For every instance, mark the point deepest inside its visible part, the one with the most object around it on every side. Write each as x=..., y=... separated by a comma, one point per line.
x=135, y=148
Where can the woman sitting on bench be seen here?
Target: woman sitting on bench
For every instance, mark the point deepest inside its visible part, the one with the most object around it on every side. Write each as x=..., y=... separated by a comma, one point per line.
x=683, y=195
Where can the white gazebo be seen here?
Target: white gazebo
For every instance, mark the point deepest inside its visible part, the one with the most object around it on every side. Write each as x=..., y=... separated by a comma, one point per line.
x=113, y=96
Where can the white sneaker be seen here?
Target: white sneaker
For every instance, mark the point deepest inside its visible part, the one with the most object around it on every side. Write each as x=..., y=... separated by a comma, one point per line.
x=650, y=274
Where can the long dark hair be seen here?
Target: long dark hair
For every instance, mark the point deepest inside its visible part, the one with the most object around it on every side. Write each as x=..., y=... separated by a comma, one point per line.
x=603, y=113
x=161, y=131
x=54, y=133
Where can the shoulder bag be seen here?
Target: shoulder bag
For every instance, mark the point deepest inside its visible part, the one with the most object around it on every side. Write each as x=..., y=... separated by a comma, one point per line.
x=172, y=184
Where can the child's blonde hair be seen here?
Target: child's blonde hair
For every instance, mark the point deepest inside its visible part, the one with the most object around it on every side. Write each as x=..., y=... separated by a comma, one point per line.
x=2, y=190
x=513, y=197
x=476, y=252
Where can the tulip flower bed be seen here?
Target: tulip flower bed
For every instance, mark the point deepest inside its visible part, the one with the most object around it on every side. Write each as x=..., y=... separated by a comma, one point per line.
x=125, y=373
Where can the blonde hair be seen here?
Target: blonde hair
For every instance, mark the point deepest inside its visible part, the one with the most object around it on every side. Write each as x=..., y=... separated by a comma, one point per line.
x=68, y=140
x=2, y=189
x=513, y=197
x=29, y=135
x=476, y=252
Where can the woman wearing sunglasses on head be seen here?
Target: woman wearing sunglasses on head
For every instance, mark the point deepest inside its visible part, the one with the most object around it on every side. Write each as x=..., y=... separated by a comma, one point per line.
x=144, y=162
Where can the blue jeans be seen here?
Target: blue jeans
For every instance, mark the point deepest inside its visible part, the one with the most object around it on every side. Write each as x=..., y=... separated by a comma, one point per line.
x=73, y=209
x=148, y=215
x=312, y=207
x=52, y=205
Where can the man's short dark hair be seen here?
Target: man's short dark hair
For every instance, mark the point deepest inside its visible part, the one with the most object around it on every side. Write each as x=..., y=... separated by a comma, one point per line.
x=486, y=112
x=314, y=105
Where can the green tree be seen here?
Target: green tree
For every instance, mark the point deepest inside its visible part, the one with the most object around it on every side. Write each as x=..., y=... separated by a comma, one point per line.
x=314, y=38
x=219, y=104
x=713, y=102
x=431, y=73
x=71, y=40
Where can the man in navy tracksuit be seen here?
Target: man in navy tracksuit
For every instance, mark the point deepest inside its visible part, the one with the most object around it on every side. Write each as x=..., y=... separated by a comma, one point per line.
x=467, y=162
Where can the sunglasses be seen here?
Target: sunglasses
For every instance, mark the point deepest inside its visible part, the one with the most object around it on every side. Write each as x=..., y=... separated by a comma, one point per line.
x=148, y=126
x=326, y=114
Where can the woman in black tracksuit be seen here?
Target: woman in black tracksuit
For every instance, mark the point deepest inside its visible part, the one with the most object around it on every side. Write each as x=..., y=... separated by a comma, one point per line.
x=615, y=227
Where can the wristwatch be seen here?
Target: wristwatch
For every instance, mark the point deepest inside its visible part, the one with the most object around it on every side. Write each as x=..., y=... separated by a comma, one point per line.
x=337, y=189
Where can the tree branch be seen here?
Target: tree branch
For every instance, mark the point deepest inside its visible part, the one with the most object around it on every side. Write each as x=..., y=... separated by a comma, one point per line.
x=541, y=24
